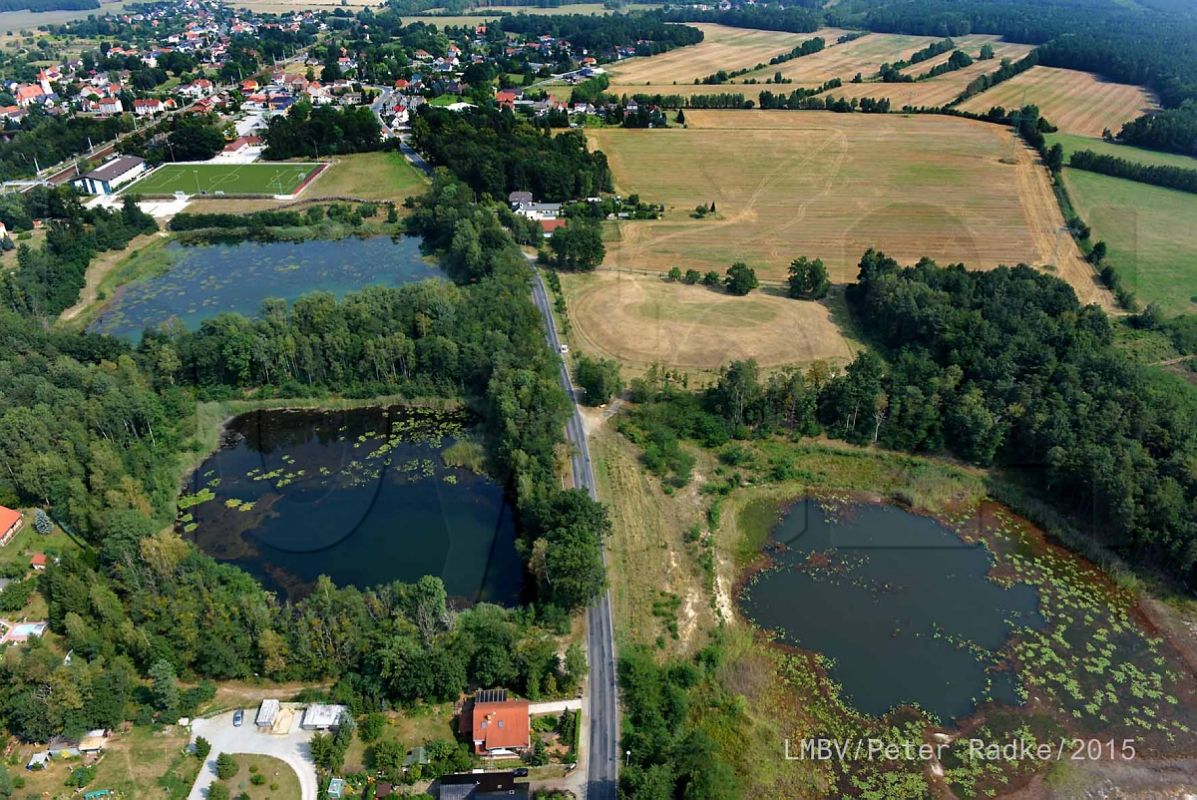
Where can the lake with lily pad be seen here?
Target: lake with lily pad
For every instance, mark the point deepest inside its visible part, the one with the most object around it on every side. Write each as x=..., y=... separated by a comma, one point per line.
x=204, y=280
x=366, y=496
x=902, y=606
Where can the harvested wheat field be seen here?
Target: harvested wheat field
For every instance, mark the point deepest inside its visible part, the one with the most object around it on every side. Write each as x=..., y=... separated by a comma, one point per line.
x=1073, y=101
x=864, y=55
x=792, y=183
x=723, y=47
x=937, y=91
x=641, y=320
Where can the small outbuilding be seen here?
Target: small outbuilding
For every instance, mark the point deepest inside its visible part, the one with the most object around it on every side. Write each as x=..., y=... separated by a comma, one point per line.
x=320, y=717
x=267, y=713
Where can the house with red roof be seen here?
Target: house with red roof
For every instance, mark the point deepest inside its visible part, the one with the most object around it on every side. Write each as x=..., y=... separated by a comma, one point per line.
x=38, y=562
x=148, y=107
x=10, y=523
x=497, y=726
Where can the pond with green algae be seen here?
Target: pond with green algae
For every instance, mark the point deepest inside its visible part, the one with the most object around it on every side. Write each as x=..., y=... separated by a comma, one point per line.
x=364, y=496
x=204, y=280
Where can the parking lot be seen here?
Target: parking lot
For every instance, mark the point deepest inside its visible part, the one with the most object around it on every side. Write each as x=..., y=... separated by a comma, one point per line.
x=291, y=747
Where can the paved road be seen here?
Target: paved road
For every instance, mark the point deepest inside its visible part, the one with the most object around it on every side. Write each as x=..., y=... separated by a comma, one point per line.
x=293, y=748
x=602, y=699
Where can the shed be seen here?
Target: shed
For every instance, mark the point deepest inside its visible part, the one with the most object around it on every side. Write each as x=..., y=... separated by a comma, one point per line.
x=267, y=713
x=39, y=760
x=319, y=717
x=93, y=741
x=336, y=788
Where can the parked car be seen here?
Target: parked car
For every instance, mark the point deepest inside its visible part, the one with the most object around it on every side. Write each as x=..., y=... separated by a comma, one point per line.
x=238, y=718
x=520, y=772
x=564, y=348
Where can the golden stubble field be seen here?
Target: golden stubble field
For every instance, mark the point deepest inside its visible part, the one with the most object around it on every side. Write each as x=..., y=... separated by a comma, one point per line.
x=641, y=320
x=864, y=55
x=826, y=185
x=937, y=91
x=1073, y=101
x=722, y=47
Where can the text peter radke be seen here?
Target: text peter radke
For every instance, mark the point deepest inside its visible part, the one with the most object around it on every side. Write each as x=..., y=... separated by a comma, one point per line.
x=866, y=749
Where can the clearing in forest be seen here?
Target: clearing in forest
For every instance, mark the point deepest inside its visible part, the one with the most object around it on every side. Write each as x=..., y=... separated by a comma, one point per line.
x=790, y=183
x=1073, y=101
x=722, y=47
x=641, y=320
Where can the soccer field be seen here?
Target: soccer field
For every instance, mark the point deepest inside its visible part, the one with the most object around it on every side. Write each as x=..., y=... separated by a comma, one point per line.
x=229, y=179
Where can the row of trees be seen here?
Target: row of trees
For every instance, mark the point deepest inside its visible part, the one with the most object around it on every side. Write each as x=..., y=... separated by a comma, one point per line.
x=312, y=132
x=1157, y=174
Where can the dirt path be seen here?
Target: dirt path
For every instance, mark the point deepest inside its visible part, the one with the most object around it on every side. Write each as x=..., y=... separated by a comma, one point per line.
x=1053, y=242
x=99, y=269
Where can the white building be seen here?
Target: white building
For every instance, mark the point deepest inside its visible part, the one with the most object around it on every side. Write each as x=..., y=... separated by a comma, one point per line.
x=322, y=717
x=267, y=714
x=106, y=178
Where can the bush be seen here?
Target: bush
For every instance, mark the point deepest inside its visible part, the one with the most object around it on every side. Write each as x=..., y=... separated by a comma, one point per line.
x=226, y=766
x=202, y=748
x=218, y=791
x=257, y=780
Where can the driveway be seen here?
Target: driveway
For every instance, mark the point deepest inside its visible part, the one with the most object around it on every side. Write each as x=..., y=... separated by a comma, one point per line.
x=291, y=747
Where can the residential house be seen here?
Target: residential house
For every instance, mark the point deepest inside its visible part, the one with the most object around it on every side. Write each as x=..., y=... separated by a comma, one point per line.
x=483, y=786
x=38, y=561
x=497, y=726
x=106, y=178
x=29, y=94
x=243, y=145
x=10, y=520
x=148, y=107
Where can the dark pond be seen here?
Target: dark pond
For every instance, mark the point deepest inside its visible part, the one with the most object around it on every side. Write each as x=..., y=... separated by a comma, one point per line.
x=903, y=606
x=208, y=279
x=363, y=496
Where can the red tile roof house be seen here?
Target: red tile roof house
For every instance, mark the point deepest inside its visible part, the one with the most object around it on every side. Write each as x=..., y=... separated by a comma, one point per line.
x=38, y=562
x=150, y=107
x=497, y=726
x=10, y=523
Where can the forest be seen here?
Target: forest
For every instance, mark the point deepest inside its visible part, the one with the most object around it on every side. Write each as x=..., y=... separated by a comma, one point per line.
x=47, y=5
x=791, y=19
x=1173, y=130
x=49, y=278
x=496, y=153
x=999, y=368
x=309, y=132
x=1130, y=44
x=95, y=428
x=647, y=32
x=1156, y=174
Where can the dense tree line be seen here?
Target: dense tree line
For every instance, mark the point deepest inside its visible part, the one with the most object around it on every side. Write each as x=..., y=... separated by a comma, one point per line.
x=1173, y=130
x=598, y=33
x=790, y=19
x=43, y=140
x=718, y=100
x=794, y=99
x=1005, y=72
x=49, y=278
x=807, y=48
x=47, y=5
x=1154, y=47
x=309, y=132
x=958, y=60
x=496, y=153
x=1157, y=174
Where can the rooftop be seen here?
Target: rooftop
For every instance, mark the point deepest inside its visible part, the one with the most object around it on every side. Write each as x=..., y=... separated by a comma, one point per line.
x=115, y=168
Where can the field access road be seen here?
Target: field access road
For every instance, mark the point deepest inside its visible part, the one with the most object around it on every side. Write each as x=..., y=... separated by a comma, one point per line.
x=292, y=747
x=602, y=763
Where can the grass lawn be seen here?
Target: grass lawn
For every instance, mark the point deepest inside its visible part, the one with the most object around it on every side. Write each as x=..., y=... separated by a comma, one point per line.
x=1072, y=143
x=1150, y=234
x=371, y=176
x=136, y=766
x=229, y=179
x=279, y=781
x=28, y=541
x=411, y=728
